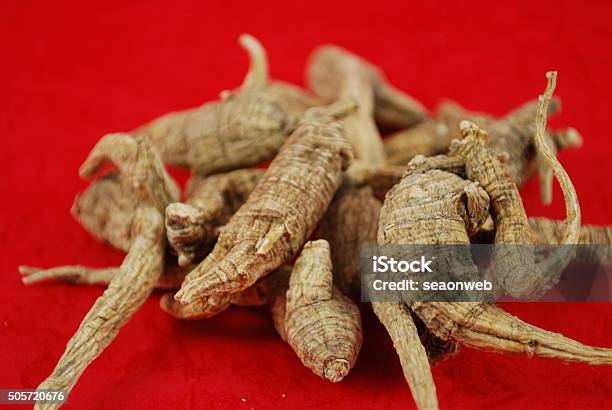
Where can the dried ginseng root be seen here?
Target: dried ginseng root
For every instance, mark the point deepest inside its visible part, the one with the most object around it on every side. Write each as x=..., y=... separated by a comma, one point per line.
x=321, y=325
x=262, y=293
x=427, y=138
x=515, y=266
x=350, y=222
x=141, y=174
x=393, y=109
x=336, y=74
x=514, y=136
x=457, y=204
x=459, y=207
x=192, y=227
x=279, y=215
x=246, y=127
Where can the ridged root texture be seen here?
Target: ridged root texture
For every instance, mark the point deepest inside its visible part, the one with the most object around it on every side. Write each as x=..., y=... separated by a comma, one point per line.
x=192, y=227
x=321, y=325
x=126, y=292
x=279, y=215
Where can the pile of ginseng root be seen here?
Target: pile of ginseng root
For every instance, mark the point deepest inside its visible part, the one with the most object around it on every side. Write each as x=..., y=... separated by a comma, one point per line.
x=332, y=185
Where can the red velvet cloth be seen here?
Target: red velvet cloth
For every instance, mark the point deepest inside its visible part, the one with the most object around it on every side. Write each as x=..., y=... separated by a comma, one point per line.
x=72, y=71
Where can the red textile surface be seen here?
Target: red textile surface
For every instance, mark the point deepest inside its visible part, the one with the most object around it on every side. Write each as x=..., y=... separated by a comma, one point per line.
x=72, y=71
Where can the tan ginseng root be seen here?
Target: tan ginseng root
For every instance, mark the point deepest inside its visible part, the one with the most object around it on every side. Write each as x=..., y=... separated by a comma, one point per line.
x=336, y=74
x=514, y=136
x=246, y=127
x=444, y=199
x=320, y=324
x=393, y=109
x=192, y=227
x=142, y=177
x=460, y=206
x=515, y=266
x=279, y=215
x=350, y=222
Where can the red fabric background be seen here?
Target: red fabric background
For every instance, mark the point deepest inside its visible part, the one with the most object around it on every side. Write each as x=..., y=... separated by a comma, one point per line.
x=72, y=71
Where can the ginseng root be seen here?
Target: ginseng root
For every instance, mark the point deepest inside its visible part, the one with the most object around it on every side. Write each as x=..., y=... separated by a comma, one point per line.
x=350, y=222
x=108, y=206
x=141, y=171
x=126, y=292
x=515, y=267
x=192, y=227
x=514, y=135
x=487, y=327
x=393, y=109
x=320, y=324
x=279, y=215
x=336, y=75
x=460, y=205
x=246, y=127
